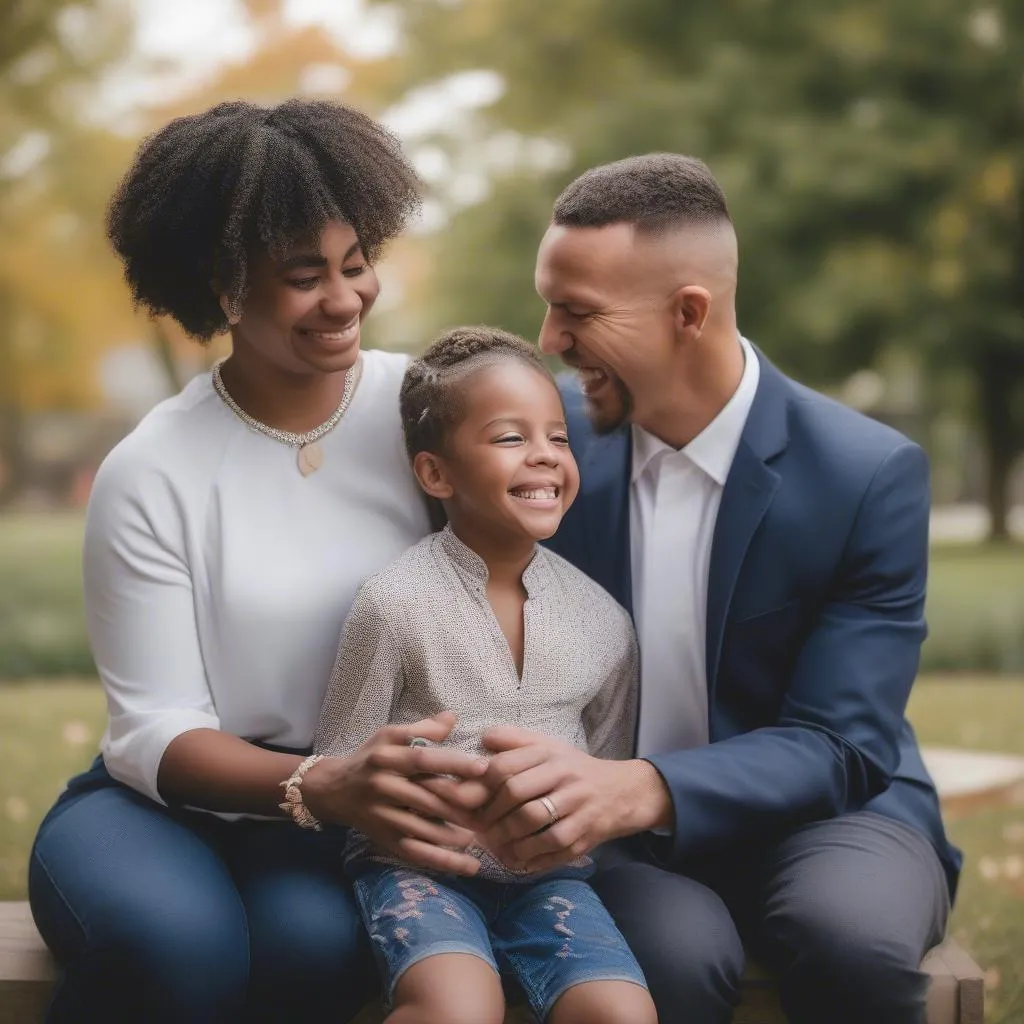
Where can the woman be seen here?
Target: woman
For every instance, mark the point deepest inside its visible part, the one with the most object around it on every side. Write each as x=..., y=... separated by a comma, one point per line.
x=225, y=539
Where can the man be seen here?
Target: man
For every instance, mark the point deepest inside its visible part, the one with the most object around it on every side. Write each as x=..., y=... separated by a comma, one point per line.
x=772, y=547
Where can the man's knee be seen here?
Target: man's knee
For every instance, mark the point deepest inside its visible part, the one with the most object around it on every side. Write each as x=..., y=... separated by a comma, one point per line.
x=852, y=905
x=683, y=937
x=846, y=967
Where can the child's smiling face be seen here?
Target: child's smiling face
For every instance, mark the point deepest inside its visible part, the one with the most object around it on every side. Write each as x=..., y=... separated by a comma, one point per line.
x=506, y=467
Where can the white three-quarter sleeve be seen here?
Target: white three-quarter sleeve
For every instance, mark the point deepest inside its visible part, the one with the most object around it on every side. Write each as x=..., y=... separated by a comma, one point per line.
x=366, y=681
x=141, y=620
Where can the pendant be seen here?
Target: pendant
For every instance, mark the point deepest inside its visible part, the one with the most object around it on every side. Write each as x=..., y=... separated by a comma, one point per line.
x=311, y=458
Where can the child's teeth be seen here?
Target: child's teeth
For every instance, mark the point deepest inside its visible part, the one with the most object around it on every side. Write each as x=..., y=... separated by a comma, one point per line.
x=533, y=495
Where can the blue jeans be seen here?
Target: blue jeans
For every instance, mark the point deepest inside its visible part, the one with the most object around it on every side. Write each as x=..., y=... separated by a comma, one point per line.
x=165, y=915
x=549, y=934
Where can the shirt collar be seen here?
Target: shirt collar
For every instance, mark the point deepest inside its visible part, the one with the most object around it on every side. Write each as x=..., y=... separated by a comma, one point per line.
x=472, y=567
x=714, y=448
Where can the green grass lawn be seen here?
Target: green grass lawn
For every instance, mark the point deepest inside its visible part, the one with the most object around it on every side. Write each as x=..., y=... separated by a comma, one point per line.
x=50, y=730
x=988, y=920
x=975, y=608
x=42, y=624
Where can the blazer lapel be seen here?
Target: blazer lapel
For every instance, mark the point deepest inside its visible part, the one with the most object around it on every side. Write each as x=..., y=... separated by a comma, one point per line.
x=746, y=497
x=605, y=473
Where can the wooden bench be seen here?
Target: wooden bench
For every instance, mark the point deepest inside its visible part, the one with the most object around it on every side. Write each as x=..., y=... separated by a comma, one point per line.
x=956, y=995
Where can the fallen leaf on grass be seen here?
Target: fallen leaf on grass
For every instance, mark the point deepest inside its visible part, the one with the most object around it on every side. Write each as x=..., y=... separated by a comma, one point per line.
x=16, y=808
x=1014, y=832
x=76, y=733
x=989, y=869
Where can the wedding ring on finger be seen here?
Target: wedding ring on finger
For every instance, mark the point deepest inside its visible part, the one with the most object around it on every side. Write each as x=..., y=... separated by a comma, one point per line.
x=549, y=806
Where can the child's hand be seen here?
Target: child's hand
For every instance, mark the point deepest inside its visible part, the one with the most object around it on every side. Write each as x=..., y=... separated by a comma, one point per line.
x=377, y=791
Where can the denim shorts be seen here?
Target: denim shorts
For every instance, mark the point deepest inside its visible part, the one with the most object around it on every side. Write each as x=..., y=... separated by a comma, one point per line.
x=548, y=934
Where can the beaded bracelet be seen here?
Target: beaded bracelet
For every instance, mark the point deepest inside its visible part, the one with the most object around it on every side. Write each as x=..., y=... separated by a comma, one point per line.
x=293, y=805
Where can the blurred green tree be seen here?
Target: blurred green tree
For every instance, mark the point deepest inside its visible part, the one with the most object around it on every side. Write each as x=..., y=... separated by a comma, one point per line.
x=873, y=153
x=55, y=166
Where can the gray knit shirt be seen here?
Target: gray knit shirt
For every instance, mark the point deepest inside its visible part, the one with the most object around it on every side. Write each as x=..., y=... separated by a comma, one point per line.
x=421, y=638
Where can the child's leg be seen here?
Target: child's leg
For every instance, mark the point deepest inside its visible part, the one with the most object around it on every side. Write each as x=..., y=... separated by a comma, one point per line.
x=604, y=1002
x=449, y=988
x=571, y=960
x=432, y=946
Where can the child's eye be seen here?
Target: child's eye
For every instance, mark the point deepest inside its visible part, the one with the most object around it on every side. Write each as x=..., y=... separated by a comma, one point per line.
x=509, y=439
x=559, y=439
x=354, y=271
x=305, y=283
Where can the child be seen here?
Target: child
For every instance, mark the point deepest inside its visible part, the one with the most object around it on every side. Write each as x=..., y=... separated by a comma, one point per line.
x=479, y=620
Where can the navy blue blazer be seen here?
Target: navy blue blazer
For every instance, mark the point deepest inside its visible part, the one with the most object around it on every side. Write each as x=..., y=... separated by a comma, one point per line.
x=815, y=618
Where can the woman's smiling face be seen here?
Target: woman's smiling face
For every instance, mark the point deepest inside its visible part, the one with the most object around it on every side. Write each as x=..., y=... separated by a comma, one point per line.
x=303, y=312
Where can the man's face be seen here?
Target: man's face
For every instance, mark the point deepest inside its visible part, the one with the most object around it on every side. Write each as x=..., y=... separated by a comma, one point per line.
x=609, y=317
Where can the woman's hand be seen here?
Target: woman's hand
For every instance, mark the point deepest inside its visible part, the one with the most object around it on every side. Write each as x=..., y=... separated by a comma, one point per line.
x=376, y=791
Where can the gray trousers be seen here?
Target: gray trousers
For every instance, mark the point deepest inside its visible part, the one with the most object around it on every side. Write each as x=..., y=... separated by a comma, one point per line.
x=843, y=909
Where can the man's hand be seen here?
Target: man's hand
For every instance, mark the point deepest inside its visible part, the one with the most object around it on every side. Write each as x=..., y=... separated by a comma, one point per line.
x=593, y=800
x=378, y=791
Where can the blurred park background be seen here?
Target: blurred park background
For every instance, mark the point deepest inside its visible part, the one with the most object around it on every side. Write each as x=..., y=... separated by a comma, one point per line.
x=873, y=155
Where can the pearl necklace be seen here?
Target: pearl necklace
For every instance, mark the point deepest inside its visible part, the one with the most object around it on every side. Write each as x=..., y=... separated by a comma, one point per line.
x=311, y=456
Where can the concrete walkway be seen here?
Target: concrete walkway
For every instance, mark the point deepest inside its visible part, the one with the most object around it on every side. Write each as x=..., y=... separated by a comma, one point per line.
x=965, y=773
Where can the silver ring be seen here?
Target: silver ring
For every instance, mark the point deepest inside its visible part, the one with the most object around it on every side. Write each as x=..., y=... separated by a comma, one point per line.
x=549, y=806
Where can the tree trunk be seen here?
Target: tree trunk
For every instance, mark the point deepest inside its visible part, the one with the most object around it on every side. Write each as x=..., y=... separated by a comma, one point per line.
x=13, y=459
x=997, y=377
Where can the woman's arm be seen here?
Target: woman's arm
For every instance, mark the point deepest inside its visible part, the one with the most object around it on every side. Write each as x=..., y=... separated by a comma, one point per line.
x=164, y=733
x=220, y=772
x=370, y=790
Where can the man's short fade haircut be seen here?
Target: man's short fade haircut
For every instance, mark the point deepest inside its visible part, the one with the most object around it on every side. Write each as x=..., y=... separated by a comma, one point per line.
x=432, y=396
x=656, y=192
x=210, y=191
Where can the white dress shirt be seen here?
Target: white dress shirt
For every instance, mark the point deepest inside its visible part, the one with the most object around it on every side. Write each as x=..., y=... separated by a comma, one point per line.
x=673, y=506
x=217, y=577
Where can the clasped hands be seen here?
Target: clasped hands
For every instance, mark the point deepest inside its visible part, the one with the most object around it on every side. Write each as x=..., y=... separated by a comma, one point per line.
x=535, y=804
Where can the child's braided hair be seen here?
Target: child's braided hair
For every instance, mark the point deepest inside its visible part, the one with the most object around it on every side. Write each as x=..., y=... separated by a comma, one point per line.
x=431, y=394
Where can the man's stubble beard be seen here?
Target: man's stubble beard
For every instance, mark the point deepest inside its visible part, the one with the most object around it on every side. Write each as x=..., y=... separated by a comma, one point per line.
x=604, y=425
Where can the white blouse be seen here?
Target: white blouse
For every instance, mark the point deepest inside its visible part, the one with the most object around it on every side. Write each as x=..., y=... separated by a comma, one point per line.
x=217, y=577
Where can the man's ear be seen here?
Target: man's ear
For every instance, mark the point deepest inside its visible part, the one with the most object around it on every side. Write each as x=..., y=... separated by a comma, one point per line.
x=691, y=306
x=432, y=475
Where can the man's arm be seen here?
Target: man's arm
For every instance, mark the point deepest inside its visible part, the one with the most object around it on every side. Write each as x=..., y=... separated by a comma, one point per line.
x=834, y=746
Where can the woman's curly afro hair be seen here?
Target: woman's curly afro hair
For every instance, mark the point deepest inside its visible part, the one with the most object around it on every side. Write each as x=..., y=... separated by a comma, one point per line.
x=210, y=191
